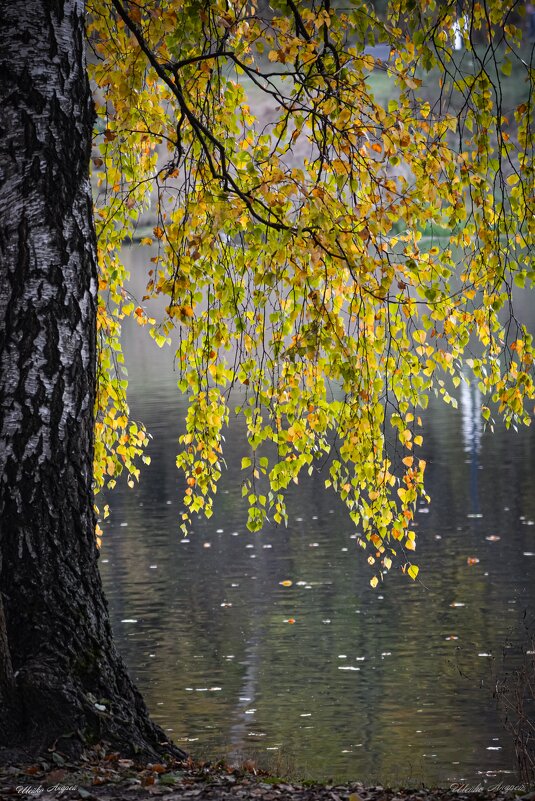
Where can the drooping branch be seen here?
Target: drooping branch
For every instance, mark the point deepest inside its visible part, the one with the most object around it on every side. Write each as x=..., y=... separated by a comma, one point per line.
x=336, y=256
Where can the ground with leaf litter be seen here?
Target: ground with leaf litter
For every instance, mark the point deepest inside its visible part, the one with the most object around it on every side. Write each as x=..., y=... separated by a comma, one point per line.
x=102, y=776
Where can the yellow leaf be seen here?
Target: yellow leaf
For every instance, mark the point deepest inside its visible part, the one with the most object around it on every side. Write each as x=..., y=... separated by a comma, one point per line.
x=374, y=582
x=412, y=83
x=286, y=583
x=413, y=571
x=419, y=336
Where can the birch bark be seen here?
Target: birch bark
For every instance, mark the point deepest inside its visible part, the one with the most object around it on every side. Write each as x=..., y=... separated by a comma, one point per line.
x=61, y=679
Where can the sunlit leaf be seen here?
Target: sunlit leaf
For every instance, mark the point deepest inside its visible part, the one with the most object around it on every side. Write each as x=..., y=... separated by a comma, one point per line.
x=322, y=260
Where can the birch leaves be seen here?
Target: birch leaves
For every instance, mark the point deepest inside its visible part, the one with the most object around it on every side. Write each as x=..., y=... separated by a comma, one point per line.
x=333, y=235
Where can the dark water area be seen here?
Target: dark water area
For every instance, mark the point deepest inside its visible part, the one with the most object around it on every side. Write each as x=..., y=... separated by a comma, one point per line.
x=393, y=684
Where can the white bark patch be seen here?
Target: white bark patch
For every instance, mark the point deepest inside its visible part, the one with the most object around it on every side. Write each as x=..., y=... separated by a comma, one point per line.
x=47, y=264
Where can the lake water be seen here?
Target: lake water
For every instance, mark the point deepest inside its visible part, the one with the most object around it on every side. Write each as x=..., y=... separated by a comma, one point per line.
x=394, y=684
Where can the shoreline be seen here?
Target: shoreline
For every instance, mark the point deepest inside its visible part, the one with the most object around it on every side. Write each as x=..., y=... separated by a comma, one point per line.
x=99, y=775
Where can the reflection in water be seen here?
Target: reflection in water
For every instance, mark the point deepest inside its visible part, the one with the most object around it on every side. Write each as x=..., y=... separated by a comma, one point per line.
x=472, y=427
x=470, y=403
x=245, y=705
x=224, y=672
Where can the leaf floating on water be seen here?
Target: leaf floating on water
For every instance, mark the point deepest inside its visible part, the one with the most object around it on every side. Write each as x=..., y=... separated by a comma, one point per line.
x=492, y=538
x=472, y=560
x=286, y=583
x=289, y=620
x=452, y=637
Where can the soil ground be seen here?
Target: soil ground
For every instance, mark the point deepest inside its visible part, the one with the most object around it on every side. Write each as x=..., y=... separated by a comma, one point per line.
x=104, y=776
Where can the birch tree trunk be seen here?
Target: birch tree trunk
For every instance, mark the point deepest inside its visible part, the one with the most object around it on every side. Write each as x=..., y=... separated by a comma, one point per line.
x=61, y=679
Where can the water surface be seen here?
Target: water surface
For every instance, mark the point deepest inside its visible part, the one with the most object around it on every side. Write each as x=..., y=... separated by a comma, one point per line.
x=394, y=684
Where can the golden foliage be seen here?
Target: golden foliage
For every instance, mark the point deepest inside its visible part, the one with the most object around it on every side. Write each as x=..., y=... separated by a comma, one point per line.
x=333, y=263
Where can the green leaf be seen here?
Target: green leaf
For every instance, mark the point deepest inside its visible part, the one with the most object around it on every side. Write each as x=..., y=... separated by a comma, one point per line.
x=507, y=67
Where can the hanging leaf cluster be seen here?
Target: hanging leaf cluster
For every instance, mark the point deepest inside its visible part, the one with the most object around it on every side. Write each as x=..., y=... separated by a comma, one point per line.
x=328, y=257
